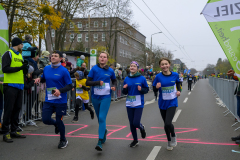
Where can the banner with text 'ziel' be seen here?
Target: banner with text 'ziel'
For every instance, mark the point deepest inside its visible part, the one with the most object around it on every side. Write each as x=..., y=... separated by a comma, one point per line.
x=223, y=16
x=3, y=38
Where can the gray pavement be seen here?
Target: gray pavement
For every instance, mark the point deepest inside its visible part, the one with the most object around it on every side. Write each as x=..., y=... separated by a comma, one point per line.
x=202, y=131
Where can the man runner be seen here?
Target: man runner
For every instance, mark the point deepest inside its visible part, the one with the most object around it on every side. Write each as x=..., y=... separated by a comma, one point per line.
x=58, y=82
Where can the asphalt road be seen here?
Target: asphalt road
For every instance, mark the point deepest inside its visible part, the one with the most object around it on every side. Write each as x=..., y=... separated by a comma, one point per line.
x=202, y=132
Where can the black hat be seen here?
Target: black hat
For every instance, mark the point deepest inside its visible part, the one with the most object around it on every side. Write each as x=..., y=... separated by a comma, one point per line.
x=120, y=69
x=58, y=52
x=34, y=53
x=16, y=41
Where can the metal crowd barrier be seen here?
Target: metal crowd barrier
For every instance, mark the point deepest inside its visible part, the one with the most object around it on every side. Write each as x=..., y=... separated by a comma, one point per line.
x=34, y=98
x=224, y=92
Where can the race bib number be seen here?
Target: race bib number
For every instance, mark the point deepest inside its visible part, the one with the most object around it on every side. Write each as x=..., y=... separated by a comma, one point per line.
x=102, y=90
x=79, y=90
x=133, y=101
x=190, y=79
x=50, y=95
x=169, y=93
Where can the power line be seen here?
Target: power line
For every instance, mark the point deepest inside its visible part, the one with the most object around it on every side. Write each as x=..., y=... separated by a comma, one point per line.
x=166, y=28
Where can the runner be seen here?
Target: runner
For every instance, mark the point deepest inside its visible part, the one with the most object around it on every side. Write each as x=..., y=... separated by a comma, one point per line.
x=58, y=82
x=81, y=94
x=189, y=80
x=135, y=86
x=166, y=82
x=99, y=77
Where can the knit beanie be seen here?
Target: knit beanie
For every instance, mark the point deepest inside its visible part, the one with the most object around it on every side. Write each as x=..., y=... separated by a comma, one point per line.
x=82, y=57
x=34, y=53
x=16, y=41
x=45, y=53
x=81, y=75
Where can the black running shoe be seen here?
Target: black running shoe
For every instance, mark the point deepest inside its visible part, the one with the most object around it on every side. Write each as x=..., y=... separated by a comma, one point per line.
x=133, y=144
x=62, y=144
x=17, y=135
x=92, y=114
x=99, y=145
x=236, y=138
x=7, y=138
x=56, y=130
x=143, y=132
x=75, y=119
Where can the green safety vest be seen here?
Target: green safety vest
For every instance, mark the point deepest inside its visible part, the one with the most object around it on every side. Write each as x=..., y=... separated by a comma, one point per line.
x=16, y=77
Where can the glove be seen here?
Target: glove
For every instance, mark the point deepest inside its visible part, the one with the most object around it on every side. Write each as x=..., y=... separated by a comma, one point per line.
x=25, y=66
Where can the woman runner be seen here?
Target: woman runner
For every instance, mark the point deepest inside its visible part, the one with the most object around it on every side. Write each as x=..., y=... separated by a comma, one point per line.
x=167, y=82
x=135, y=86
x=99, y=77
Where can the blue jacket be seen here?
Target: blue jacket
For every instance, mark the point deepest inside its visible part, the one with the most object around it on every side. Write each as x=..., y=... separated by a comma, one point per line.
x=27, y=48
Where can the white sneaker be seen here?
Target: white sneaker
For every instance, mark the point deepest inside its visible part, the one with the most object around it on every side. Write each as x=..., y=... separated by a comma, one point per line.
x=173, y=141
x=169, y=147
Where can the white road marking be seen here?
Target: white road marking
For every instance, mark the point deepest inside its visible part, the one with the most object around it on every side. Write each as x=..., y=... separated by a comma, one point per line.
x=154, y=153
x=189, y=93
x=176, y=115
x=185, y=101
x=150, y=102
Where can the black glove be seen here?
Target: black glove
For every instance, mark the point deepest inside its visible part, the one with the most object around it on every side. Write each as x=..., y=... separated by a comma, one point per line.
x=25, y=66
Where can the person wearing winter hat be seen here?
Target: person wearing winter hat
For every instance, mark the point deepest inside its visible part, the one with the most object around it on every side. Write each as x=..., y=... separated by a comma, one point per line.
x=80, y=61
x=33, y=62
x=135, y=86
x=81, y=94
x=27, y=47
x=12, y=67
x=44, y=60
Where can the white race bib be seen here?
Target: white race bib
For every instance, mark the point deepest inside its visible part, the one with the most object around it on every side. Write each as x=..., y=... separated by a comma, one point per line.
x=79, y=90
x=169, y=93
x=50, y=95
x=102, y=90
x=190, y=79
x=133, y=101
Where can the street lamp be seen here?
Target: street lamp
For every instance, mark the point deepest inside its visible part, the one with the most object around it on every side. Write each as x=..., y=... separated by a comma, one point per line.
x=146, y=58
x=151, y=39
x=89, y=25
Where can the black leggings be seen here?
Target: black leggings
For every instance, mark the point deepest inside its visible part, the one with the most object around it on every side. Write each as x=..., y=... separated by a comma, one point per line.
x=167, y=116
x=156, y=94
x=190, y=86
x=78, y=103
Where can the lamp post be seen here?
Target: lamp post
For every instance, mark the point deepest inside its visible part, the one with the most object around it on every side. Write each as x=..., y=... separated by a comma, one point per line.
x=146, y=59
x=151, y=39
x=89, y=25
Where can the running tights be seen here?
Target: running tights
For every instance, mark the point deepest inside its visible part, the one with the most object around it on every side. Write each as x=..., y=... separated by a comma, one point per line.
x=167, y=116
x=78, y=103
x=101, y=107
x=134, y=116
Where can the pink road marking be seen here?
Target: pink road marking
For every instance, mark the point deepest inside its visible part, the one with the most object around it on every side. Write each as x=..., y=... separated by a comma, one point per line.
x=84, y=126
x=129, y=134
x=210, y=143
x=115, y=130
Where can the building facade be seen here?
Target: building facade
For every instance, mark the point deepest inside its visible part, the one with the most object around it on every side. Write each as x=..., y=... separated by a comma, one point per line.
x=122, y=41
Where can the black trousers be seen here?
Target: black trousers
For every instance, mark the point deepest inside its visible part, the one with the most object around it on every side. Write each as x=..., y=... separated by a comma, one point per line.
x=189, y=86
x=12, y=107
x=167, y=116
x=78, y=104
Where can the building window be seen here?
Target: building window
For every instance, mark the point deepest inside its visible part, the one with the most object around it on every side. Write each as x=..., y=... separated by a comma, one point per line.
x=71, y=37
x=95, y=37
x=120, y=52
x=125, y=42
x=87, y=25
x=104, y=24
x=86, y=50
x=124, y=53
x=103, y=37
x=53, y=33
x=95, y=24
x=79, y=24
x=121, y=40
x=121, y=26
x=79, y=39
x=71, y=25
x=86, y=37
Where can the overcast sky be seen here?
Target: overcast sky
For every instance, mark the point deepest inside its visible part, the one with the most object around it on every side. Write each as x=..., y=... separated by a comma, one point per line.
x=183, y=20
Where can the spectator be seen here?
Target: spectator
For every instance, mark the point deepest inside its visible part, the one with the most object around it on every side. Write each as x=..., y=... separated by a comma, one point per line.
x=12, y=67
x=128, y=71
x=80, y=61
x=1, y=105
x=33, y=62
x=111, y=66
x=27, y=47
x=120, y=73
x=124, y=73
x=68, y=63
x=44, y=60
x=84, y=69
x=63, y=62
x=117, y=73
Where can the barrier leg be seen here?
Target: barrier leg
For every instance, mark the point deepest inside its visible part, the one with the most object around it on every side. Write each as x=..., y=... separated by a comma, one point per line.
x=226, y=114
x=235, y=124
x=225, y=111
x=237, y=128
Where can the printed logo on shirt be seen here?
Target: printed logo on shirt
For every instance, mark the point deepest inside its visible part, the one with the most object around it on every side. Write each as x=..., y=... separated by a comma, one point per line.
x=57, y=74
x=107, y=75
x=173, y=81
x=168, y=89
x=131, y=98
x=137, y=83
x=17, y=60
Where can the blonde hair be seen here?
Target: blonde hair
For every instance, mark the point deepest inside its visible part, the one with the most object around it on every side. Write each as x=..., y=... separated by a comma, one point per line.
x=104, y=53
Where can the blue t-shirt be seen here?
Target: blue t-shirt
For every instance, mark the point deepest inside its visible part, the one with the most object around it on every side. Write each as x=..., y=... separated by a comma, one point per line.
x=133, y=84
x=167, y=90
x=100, y=74
x=59, y=78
